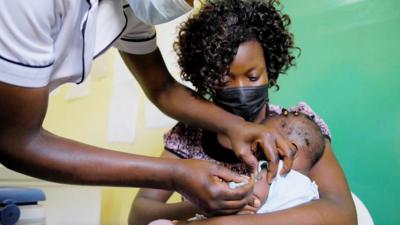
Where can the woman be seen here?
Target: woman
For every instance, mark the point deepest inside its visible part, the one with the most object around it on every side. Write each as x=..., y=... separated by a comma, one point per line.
x=231, y=52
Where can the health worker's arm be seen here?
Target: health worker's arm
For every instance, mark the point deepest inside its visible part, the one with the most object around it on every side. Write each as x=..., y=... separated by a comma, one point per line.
x=27, y=60
x=27, y=148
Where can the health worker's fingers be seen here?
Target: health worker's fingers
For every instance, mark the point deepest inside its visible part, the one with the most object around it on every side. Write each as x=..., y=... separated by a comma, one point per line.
x=243, y=192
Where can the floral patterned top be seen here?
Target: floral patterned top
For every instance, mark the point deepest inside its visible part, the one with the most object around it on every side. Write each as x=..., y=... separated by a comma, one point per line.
x=189, y=142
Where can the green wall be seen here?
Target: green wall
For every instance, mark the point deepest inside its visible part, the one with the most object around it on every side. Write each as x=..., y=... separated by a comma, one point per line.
x=349, y=73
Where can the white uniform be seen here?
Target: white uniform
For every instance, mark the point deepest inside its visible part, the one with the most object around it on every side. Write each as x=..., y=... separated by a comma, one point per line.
x=50, y=42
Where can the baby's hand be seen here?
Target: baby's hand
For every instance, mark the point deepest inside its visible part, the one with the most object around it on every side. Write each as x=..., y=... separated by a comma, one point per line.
x=163, y=222
x=251, y=208
x=248, y=209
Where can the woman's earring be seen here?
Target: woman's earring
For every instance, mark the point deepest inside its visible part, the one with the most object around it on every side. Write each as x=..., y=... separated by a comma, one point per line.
x=285, y=112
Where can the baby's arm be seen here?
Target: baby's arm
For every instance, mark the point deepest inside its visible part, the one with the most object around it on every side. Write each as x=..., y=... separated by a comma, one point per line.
x=260, y=193
x=150, y=204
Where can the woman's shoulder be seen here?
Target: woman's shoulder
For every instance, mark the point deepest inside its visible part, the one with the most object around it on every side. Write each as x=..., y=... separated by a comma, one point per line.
x=187, y=141
x=183, y=140
x=304, y=108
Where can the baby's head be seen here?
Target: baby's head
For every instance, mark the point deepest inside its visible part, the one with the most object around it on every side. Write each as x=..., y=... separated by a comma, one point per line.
x=305, y=134
x=209, y=41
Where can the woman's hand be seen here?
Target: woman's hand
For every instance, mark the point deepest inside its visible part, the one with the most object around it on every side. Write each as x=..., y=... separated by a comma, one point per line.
x=206, y=185
x=244, y=135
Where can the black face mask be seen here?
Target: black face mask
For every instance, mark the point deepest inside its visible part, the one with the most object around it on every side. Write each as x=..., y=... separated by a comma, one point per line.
x=246, y=102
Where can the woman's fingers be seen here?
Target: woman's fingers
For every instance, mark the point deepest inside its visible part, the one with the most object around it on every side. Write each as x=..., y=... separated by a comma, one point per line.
x=273, y=144
x=287, y=151
x=271, y=154
x=244, y=153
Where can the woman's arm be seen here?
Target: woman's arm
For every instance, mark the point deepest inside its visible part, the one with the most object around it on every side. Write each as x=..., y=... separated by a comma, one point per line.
x=150, y=204
x=146, y=208
x=335, y=205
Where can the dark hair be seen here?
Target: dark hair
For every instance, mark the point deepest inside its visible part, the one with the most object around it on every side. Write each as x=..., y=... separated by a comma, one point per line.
x=302, y=129
x=208, y=41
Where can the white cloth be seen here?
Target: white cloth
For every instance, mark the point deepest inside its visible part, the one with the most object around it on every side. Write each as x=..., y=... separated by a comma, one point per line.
x=289, y=191
x=157, y=12
x=55, y=41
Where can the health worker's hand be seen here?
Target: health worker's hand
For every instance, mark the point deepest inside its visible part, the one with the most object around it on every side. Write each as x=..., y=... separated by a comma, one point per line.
x=206, y=185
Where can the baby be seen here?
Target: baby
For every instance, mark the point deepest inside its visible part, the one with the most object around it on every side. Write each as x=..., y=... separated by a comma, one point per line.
x=295, y=188
x=285, y=191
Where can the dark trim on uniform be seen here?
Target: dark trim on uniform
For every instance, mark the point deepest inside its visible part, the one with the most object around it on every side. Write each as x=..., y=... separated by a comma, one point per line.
x=140, y=40
x=83, y=52
x=83, y=44
x=26, y=65
x=112, y=42
x=125, y=6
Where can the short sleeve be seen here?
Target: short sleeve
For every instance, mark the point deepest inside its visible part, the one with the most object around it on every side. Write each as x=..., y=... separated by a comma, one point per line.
x=26, y=43
x=304, y=108
x=157, y=12
x=138, y=38
x=184, y=141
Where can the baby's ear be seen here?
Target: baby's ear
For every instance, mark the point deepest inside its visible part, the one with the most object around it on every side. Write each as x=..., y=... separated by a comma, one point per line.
x=264, y=165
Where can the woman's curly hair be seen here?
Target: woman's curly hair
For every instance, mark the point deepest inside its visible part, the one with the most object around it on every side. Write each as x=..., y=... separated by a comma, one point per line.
x=208, y=41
